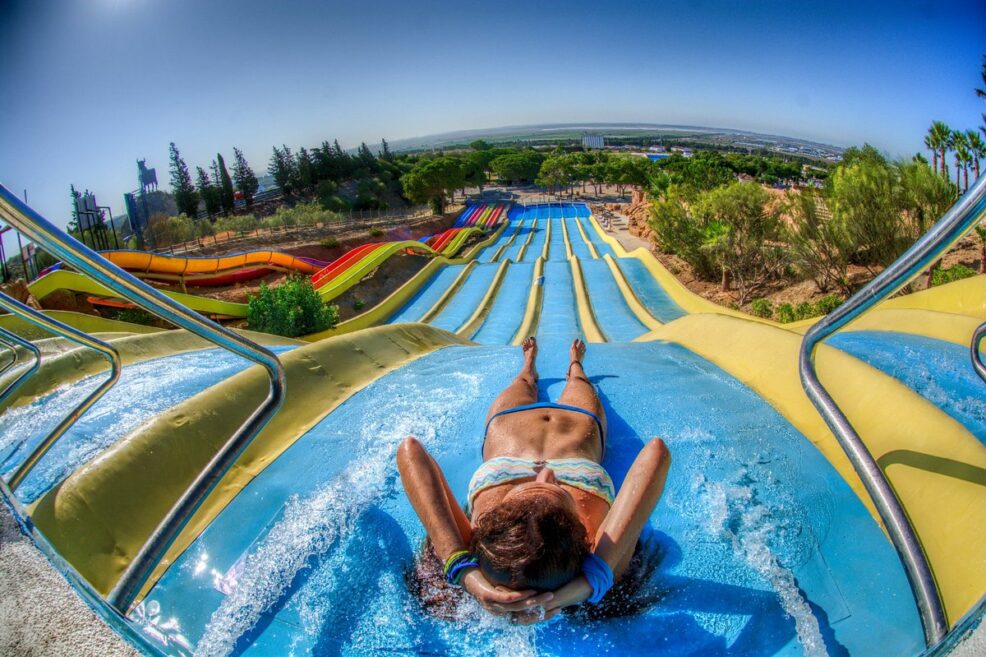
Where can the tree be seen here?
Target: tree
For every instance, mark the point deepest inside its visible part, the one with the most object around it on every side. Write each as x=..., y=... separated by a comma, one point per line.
x=430, y=180
x=282, y=169
x=962, y=158
x=479, y=145
x=977, y=149
x=820, y=247
x=306, y=171
x=210, y=193
x=556, y=173
x=517, y=167
x=226, y=196
x=385, y=153
x=743, y=234
x=932, y=145
x=939, y=134
x=184, y=192
x=243, y=176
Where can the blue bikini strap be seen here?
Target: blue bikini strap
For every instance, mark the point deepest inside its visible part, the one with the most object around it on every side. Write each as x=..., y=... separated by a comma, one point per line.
x=536, y=405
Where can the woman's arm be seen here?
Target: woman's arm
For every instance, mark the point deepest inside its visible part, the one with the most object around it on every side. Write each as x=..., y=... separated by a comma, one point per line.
x=620, y=529
x=449, y=529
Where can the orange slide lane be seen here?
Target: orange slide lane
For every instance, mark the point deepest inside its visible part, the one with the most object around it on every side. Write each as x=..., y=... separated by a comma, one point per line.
x=153, y=265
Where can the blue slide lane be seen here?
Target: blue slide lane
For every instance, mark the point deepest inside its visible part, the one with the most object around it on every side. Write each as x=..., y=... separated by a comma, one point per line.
x=756, y=534
x=508, y=309
x=486, y=255
x=464, y=301
x=649, y=291
x=559, y=323
x=144, y=390
x=427, y=296
x=537, y=243
x=556, y=250
x=613, y=315
x=511, y=252
x=939, y=371
x=579, y=248
x=602, y=248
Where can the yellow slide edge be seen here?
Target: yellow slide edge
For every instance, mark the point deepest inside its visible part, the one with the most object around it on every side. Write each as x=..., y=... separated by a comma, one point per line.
x=586, y=318
x=637, y=308
x=532, y=312
x=475, y=320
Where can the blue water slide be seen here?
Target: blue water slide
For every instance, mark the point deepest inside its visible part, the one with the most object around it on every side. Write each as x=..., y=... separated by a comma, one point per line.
x=507, y=312
x=650, y=293
x=467, y=298
x=609, y=306
x=579, y=247
x=427, y=296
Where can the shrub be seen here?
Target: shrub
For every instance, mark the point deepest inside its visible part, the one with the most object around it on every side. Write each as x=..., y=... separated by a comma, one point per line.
x=358, y=304
x=375, y=232
x=949, y=274
x=785, y=313
x=827, y=304
x=329, y=242
x=290, y=309
x=762, y=308
x=334, y=203
x=271, y=222
x=135, y=316
x=804, y=310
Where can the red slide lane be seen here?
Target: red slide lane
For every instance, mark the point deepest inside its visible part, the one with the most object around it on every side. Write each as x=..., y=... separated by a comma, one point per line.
x=444, y=239
x=342, y=262
x=494, y=218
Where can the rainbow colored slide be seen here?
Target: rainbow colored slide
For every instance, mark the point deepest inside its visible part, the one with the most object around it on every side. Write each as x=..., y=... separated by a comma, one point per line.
x=483, y=215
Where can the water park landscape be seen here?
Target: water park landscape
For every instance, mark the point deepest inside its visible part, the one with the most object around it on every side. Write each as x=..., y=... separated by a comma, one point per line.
x=647, y=330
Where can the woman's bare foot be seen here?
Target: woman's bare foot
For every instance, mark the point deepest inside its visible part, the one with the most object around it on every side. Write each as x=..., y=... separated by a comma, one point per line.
x=575, y=354
x=530, y=347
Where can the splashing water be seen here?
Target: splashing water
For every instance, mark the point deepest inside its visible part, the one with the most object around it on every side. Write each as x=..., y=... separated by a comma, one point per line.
x=736, y=515
x=310, y=526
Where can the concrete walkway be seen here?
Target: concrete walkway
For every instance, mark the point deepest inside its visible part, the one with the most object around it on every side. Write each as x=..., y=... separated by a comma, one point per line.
x=40, y=614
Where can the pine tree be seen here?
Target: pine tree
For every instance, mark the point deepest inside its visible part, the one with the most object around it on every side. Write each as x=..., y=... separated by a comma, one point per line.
x=306, y=171
x=282, y=169
x=385, y=153
x=226, y=196
x=186, y=198
x=76, y=195
x=208, y=192
x=243, y=176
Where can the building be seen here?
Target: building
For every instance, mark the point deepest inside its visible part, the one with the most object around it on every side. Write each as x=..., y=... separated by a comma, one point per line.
x=592, y=141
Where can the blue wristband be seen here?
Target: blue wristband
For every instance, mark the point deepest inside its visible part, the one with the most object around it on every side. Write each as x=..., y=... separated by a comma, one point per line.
x=599, y=575
x=456, y=572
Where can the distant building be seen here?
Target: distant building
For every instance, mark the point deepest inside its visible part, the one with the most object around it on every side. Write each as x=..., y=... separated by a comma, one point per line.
x=592, y=141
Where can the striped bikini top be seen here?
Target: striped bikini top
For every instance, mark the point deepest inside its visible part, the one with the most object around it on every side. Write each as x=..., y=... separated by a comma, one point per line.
x=576, y=472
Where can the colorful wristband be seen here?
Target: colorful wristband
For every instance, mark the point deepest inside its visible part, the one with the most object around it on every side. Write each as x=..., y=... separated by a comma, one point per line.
x=453, y=559
x=599, y=575
x=458, y=571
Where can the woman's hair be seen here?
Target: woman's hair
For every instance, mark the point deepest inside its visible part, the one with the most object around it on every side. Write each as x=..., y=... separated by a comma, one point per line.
x=530, y=543
x=533, y=543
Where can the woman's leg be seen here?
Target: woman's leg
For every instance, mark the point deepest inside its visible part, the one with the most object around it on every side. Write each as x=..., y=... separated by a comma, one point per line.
x=523, y=389
x=579, y=391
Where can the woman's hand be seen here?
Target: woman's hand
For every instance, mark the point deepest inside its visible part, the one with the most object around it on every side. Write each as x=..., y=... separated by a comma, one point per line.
x=500, y=600
x=575, y=592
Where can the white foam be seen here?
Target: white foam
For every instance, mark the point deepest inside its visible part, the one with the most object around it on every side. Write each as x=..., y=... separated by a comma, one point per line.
x=309, y=526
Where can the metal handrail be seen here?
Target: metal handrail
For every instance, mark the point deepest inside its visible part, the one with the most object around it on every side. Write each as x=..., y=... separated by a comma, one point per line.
x=75, y=335
x=13, y=341
x=83, y=259
x=959, y=219
x=977, y=360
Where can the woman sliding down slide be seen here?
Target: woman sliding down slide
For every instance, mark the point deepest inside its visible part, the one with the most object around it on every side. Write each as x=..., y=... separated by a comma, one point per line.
x=543, y=528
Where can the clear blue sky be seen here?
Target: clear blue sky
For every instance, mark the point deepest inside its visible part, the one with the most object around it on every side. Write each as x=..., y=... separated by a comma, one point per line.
x=92, y=85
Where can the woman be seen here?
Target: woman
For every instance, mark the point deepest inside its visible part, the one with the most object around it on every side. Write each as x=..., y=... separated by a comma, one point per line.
x=545, y=529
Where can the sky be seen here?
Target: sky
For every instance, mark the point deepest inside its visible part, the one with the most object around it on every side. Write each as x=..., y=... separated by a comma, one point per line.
x=93, y=85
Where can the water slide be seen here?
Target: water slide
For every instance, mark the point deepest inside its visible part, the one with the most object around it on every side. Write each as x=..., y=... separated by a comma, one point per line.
x=768, y=543
x=210, y=271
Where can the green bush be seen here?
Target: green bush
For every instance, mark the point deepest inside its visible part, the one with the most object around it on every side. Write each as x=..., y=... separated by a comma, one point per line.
x=135, y=316
x=329, y=242
x=358, y=304
x=375, y=232
x=785, y=313
x=762, y=308
x=949, y=274
x=827, y=304
x=804, y=310
x=290, y=309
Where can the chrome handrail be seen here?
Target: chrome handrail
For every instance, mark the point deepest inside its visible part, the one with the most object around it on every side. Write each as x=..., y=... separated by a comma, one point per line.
x=41, y=320
x=959, y=219
x=977, y=360
x=13, y=341
x=77, y=255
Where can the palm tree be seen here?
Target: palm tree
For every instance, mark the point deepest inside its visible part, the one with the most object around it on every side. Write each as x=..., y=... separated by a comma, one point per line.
x=982, y=92
x=962, y=157
x=977, y=148
x=939, y=134
x=932, y=146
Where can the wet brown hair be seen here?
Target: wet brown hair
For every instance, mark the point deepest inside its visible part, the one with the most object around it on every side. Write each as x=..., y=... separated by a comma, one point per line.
x=530, y=542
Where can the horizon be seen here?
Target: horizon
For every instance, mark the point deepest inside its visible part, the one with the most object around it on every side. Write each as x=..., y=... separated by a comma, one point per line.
x=838, y=75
